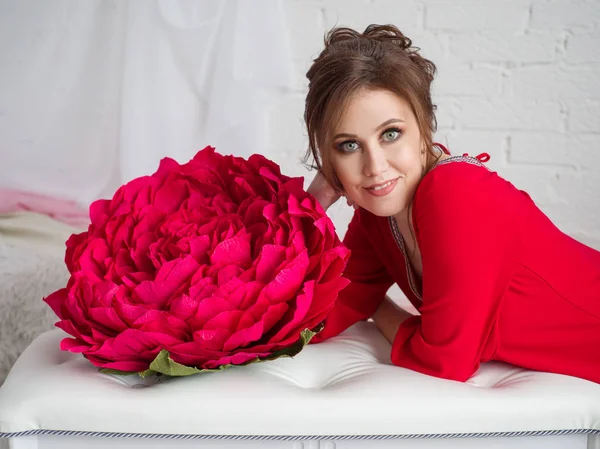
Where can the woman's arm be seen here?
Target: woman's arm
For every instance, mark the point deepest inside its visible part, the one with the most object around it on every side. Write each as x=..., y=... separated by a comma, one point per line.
x=388, y=318
x=466, y=269
x=369, y=281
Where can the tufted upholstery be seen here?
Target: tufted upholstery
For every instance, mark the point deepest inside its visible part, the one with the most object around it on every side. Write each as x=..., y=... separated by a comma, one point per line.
x=345, y=386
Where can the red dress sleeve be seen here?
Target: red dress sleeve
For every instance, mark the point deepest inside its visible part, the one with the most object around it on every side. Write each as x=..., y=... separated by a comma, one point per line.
x=369, y=282
x=464, y=218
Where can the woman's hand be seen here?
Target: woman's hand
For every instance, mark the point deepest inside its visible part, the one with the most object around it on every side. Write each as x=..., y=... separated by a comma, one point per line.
x=324, y=192
x=388, y=318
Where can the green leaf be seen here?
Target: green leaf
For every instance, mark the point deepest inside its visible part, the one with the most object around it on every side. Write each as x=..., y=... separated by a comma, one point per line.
x=164, y=364
x=116, y=371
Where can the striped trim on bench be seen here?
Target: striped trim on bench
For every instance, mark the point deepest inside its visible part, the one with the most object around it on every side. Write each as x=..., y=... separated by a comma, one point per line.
x=296, y=437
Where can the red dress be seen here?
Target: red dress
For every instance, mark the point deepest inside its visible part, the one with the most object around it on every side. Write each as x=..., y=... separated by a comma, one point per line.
x=500, y=281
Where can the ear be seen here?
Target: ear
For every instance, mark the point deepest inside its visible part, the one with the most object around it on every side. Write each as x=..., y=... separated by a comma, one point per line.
x=427, y=155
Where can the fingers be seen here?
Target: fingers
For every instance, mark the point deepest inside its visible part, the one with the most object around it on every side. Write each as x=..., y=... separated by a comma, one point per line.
x=351, y=203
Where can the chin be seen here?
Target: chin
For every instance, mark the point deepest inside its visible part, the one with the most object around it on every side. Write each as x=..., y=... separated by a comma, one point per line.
x=382, y=211
x=389, y=205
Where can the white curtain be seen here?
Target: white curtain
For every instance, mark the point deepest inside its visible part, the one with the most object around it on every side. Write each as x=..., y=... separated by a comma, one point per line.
x=95, y=92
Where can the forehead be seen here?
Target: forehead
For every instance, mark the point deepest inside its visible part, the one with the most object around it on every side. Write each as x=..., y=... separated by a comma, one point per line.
x=367, y=109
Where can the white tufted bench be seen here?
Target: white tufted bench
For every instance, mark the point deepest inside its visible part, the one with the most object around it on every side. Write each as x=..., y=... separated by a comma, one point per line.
x=341, y=394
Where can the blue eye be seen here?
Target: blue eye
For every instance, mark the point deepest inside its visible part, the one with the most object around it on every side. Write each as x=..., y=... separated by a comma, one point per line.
x=391, y=134
x=349, y=146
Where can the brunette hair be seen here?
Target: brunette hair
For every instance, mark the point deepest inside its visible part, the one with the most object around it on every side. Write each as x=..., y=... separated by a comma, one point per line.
x=379, y=58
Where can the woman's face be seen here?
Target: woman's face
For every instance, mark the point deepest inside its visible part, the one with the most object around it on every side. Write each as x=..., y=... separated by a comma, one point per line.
x=377, y=152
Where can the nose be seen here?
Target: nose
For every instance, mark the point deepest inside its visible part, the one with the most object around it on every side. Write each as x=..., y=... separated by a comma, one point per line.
x=375, y=161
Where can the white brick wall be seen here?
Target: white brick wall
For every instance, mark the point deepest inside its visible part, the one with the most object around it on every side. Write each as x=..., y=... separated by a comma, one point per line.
x=519, y=79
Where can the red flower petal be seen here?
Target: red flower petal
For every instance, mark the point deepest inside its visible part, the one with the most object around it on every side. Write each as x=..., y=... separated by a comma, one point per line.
x=131, y=366
x=270, y=258
x=183, y=307
x=55, y=301
x=107, y=317
x=206, y=260
x=73, y=345
x=169, y=279
x=235, y=359
x=225, y=320
x=169, y=197
x=288, y=280
x=235, y=250
x=255, y=332
x=211, y=339
x=133, y=342
x=73, y=247
x=129, y=313
x=207, y=310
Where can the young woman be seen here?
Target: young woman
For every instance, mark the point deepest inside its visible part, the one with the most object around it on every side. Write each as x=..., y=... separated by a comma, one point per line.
x=491, y=276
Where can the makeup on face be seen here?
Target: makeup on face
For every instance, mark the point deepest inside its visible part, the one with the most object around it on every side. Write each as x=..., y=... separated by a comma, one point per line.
x=376, y=152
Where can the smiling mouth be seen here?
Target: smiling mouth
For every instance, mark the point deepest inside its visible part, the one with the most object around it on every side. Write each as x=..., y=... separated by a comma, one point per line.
x=381, y=186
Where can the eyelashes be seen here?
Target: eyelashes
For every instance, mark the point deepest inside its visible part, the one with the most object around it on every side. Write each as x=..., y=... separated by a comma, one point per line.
x=395, y=132
x=344, y=147
x=387, y=136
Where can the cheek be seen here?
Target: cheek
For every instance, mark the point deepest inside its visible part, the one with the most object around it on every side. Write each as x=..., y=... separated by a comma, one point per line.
x=347, y=170
x=408, y=161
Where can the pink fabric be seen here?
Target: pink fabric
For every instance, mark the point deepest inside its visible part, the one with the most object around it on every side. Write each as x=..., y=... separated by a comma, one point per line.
x=63, y=210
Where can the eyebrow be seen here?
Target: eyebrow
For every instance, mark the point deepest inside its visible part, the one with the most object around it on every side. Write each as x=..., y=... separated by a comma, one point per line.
x=383, y=125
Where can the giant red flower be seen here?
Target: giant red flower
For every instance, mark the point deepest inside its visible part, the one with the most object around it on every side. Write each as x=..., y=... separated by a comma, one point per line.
x=220, y=261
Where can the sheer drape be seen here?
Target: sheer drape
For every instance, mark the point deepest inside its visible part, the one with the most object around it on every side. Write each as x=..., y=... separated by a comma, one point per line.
x=95, y=92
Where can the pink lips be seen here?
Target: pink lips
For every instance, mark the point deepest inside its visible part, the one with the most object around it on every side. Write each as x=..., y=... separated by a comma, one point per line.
x=382, y=192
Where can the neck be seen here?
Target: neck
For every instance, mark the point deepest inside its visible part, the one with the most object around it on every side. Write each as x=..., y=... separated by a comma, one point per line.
x=403, y=220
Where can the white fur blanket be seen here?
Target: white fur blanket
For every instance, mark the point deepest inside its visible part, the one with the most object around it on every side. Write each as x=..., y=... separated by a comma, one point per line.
x=32, y=249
